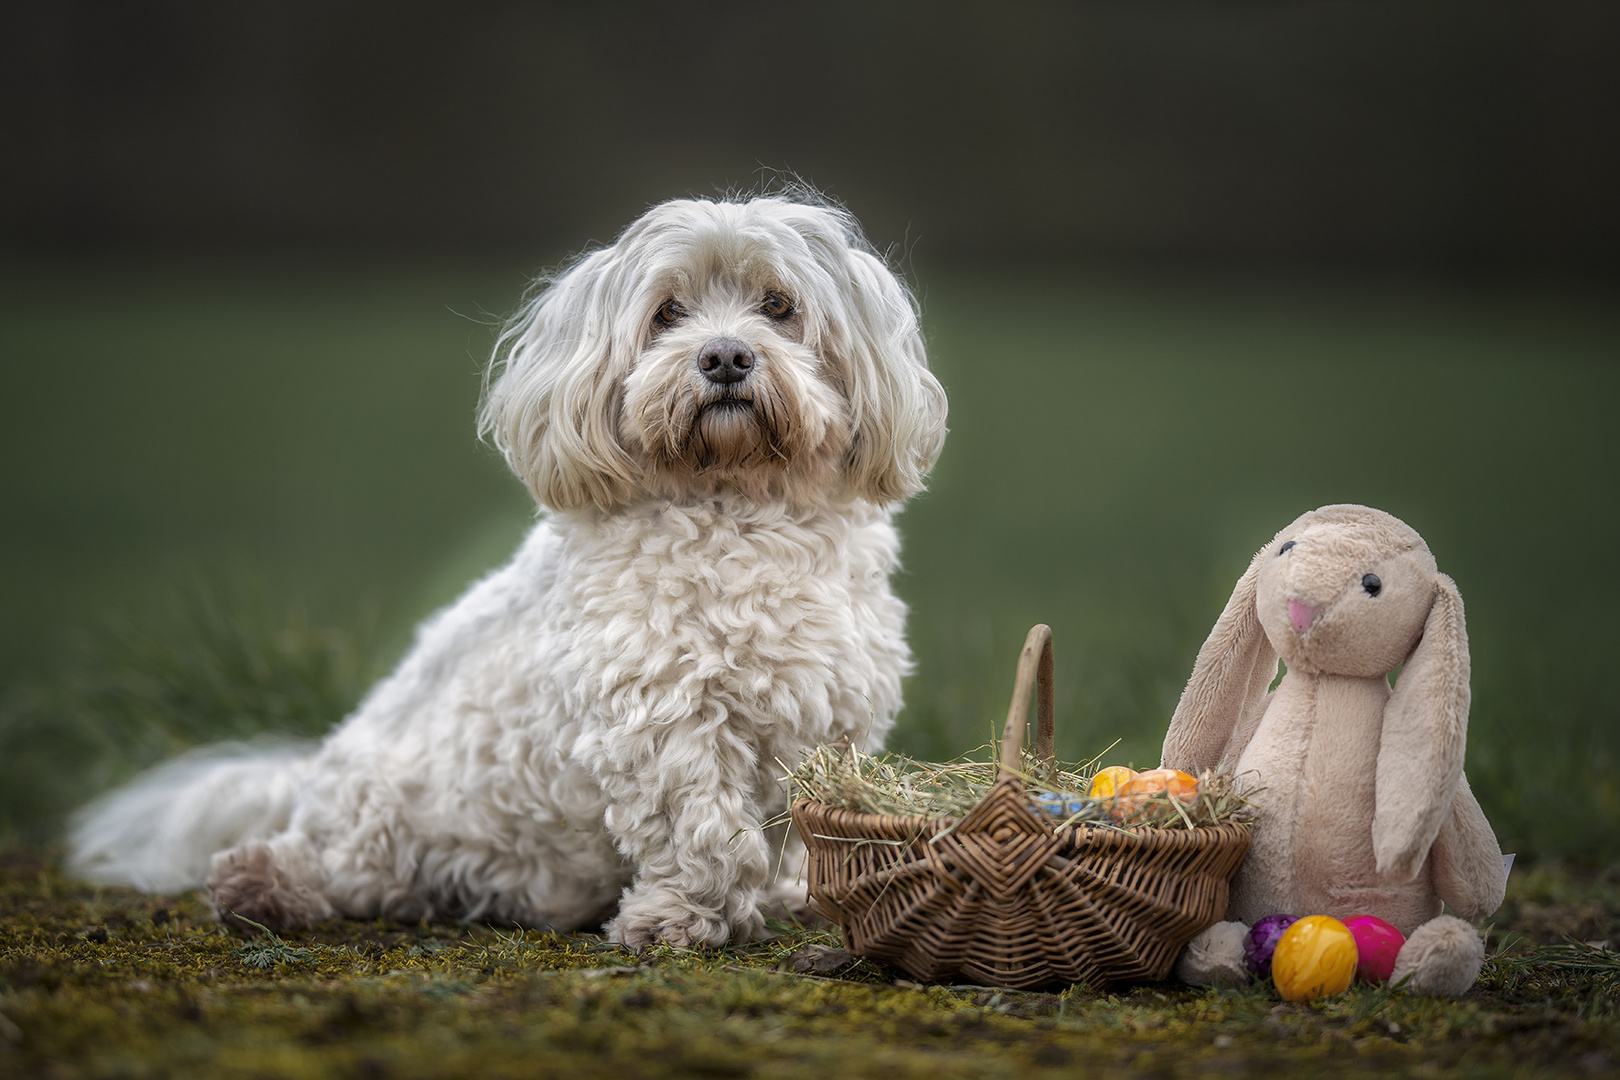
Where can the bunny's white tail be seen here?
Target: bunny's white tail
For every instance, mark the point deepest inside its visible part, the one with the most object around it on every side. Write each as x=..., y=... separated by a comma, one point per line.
x=158, y=832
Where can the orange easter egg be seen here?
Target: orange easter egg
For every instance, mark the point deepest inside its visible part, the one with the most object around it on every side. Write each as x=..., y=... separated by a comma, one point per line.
x=1315, y=957
x=1108, y=781
x=1133, y=795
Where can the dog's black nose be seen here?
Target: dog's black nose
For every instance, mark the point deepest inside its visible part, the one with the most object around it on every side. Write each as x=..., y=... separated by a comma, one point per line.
x=726, y=360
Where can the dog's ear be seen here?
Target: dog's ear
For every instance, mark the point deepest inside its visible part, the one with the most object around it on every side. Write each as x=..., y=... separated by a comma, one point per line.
x=896, y=406
x=552, y=393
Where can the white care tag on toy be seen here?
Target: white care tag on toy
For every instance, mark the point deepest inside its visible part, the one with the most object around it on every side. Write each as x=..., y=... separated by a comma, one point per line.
x=1507, y=865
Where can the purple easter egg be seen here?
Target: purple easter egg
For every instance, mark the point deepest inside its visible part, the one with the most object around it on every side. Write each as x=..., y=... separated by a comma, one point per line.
x=1262, y=942
x=1377, y=944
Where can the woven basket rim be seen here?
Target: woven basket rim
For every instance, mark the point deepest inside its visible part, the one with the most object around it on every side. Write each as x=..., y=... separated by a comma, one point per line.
x=1089, y=826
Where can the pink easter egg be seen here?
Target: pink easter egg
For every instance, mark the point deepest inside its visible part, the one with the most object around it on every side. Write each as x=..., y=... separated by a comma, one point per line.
x=1377, y=943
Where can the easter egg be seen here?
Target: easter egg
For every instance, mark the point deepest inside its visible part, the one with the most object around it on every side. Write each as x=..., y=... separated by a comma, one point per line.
x=1060, y=804
x=1377, y=944
x=1315, y=957
x=1261, y=942
x=1133, y=796
x=1107, y=781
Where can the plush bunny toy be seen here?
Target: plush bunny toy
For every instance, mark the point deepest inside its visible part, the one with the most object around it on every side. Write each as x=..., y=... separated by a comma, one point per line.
x=1362, y=807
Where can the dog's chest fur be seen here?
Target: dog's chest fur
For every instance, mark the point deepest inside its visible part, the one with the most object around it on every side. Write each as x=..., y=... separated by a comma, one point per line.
x=746, y=628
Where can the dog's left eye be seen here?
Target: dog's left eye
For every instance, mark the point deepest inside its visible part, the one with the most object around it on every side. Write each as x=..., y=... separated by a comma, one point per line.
x=776, y=306
x=670, y=312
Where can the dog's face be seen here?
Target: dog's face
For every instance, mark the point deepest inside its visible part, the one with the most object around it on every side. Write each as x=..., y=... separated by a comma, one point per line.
x=724, y=390
x=756, y=347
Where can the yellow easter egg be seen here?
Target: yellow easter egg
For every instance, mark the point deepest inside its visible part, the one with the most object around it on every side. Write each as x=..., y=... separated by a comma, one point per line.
x=1315, y=957
x=1107, y=781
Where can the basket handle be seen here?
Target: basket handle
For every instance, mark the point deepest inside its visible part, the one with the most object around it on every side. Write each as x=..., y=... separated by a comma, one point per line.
x=1034, y=672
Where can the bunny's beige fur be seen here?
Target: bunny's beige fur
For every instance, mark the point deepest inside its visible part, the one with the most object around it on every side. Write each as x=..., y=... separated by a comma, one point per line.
x=1362, y=807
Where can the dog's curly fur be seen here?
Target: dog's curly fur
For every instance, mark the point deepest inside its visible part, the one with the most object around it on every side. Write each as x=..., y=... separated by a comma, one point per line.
x=598, y=729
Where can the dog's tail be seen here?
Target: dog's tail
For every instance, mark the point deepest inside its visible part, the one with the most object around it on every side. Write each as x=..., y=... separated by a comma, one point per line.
x=158, y=832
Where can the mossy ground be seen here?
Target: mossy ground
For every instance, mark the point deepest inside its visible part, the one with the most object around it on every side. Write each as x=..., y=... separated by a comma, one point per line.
x=110, y=983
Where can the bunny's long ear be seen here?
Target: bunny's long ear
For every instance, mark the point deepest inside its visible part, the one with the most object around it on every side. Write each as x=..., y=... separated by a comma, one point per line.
x=1420, y=758
x=1231, y=675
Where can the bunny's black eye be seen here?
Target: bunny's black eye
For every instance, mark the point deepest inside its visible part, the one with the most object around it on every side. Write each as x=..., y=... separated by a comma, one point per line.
x=1371, y=583
x=1285, y=547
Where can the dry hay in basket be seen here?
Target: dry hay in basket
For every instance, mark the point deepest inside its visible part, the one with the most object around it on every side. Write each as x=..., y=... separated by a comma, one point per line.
x=896, y=784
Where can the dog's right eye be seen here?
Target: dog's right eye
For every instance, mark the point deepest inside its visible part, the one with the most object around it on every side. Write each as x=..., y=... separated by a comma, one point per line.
x=1285, y=547
x=670, y=312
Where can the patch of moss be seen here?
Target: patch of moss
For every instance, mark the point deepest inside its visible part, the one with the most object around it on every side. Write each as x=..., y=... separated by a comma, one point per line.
x=109, y=983
x=1552, y=901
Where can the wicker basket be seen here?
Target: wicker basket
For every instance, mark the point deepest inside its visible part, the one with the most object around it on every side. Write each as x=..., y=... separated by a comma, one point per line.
x=1002, y=898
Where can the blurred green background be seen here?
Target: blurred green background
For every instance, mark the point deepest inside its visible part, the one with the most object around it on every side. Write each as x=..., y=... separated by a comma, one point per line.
x=1187, y=271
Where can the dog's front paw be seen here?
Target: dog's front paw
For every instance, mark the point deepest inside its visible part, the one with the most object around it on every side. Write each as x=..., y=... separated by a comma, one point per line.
x=687, y=930
x=684, y=926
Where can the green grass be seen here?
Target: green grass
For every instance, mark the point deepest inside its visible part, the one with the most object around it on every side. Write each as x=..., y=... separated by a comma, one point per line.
x=231, y=494
x=219, y=661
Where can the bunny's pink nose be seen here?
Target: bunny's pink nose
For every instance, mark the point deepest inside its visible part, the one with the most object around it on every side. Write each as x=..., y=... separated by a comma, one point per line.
x=1302, y=615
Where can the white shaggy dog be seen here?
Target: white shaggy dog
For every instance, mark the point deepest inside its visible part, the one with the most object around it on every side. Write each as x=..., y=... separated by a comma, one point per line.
x=721, y=412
